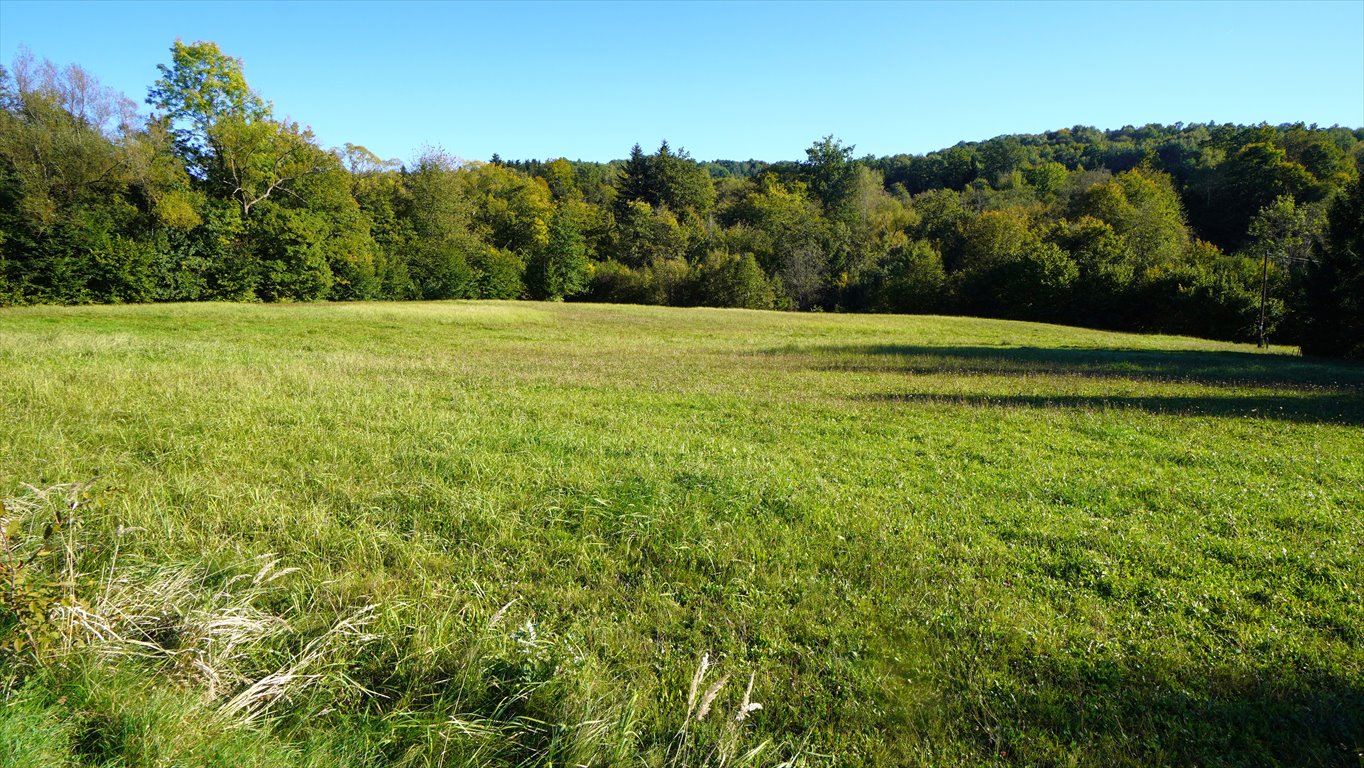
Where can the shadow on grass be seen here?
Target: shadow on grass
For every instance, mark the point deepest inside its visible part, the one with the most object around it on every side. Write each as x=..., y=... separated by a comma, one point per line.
x=1223, y=368
x=1312, y=390
x=1324, y=408
x=1149, y=713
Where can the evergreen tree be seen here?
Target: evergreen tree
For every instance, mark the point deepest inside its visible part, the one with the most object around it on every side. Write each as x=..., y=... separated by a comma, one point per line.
x=1335, y=321
x=636, y=181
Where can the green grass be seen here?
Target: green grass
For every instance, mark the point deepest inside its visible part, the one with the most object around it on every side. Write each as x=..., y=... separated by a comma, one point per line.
x=931, y=541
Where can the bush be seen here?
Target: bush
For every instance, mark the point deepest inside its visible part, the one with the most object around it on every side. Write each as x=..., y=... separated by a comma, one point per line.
x=1034, y=283
x=287, y=245
x=613, y=282
x=910, y=281
x=728, y=280
x=498, y=274
x=1221, y=301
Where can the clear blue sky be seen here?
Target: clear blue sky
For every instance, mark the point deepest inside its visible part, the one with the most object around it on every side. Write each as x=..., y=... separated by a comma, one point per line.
x=733, y=81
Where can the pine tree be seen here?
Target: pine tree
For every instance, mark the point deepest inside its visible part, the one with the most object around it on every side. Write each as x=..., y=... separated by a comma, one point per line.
x=638, y=181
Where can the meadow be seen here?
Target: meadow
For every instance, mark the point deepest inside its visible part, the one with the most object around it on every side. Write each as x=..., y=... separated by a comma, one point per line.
x=503, y=534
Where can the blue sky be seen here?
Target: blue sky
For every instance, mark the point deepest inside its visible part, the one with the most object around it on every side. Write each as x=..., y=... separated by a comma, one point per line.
x=734, y=81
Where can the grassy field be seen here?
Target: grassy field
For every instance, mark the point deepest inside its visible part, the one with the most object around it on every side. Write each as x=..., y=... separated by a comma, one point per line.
x=447, y=534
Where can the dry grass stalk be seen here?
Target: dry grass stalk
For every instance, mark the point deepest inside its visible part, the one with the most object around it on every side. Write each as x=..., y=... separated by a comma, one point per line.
x=696, y=684
x=747, y=706
x=171, y=615
x=709, y=698
x=255, y=700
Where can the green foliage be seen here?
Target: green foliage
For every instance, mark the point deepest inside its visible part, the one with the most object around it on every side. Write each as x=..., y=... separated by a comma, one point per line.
x=510, y=211
x=876, y=224
x=1254, y=176
x=1335, y=281
x=561, y=268
x=288, y=248
x=221, y=246
x=499, y=274
x=782, y=227
x=644, y=234
x=1009, y=270
x=202, y=88
x=664, y=180
x=670, y=282
x=1032, y=283
x=1143, y=210
x=636, y=182
x=255, y=161
x=614, y=283
x=662, y=281
x=911, y=281
x=562, y=181
x=730, y=280
x=1001, y=157
x=1106, y=272
x=1218, y=299
x=441, y=271
x=346, y=239
x=439, y=216
x=1284, y=232
x=70, y=180
x=829, y=172
x=1049, y=179
x=683, y=185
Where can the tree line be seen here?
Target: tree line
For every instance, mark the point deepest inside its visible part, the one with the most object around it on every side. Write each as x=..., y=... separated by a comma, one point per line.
x=1222, y=231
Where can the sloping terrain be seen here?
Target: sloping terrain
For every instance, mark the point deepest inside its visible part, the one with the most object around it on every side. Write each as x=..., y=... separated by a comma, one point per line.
x=509, y=534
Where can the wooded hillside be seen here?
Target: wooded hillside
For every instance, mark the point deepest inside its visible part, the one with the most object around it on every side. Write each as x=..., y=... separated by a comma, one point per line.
x=1223, y=231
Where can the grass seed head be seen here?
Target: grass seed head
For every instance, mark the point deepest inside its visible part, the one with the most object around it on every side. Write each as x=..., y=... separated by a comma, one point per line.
x=747, y=706
x=696, y=683
x=714, y=690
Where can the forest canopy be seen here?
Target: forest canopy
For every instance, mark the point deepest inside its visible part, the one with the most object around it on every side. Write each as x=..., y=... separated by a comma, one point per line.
x=1222, y=231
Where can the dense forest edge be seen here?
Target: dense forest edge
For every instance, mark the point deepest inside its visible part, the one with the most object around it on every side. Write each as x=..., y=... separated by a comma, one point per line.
x=1220, y=231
